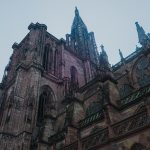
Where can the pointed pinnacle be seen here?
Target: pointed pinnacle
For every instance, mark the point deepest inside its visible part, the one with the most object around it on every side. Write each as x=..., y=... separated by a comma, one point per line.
x=76, y=11
x=137, y=24
x=140, y=29
x=137, y=48
x=121, y=55
x=102, y=48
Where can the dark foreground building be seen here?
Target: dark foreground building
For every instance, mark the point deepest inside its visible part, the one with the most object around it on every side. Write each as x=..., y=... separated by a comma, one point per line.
x=61, y=94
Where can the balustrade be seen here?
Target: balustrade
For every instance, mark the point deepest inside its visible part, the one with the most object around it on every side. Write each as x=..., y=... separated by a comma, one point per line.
x=135, y=96
x=96, y=139
x=92, y=118
x=131, y=124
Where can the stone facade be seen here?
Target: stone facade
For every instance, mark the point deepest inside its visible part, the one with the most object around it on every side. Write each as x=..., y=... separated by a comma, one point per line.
x=61, y=94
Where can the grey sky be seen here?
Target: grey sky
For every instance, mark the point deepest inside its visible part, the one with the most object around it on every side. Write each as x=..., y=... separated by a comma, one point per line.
x=113, y=22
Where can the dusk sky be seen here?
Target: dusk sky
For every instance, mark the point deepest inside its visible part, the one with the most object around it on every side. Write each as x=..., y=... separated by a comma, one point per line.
x=112, y=21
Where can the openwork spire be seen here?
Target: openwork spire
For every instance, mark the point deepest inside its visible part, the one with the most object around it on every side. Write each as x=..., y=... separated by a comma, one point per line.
x=80, y=40
x=78, y=22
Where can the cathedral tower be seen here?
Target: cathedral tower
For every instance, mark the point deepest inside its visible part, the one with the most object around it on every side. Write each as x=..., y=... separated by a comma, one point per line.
x=80, y=40
x=60, y=94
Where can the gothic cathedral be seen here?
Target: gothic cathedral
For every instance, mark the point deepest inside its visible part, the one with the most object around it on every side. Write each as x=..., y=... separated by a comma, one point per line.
x=61, y=94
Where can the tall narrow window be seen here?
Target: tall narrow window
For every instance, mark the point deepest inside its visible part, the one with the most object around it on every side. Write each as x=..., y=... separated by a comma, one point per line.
x=40, y=116
x=48, y=59
x=46, y=105
x=51, y=61
x=74, y=77
x=45, y=57
x=56, y=63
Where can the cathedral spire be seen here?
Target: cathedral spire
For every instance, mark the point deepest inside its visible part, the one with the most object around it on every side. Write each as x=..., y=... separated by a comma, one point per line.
x=78, y=22
x=79, y=35
x=76, y=11
x=80, y=40
x=143, y=38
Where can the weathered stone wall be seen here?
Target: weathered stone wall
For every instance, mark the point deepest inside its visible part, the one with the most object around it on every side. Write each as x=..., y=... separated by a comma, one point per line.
x=70, y=60
x=117, y=123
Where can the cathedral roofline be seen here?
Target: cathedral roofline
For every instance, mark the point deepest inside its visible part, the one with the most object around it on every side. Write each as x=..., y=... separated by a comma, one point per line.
x=127, y=59
x=37, y=26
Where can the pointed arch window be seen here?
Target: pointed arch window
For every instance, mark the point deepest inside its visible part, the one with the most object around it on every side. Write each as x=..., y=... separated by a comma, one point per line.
x=47, y=58
x=46, y=104
x=41, y=109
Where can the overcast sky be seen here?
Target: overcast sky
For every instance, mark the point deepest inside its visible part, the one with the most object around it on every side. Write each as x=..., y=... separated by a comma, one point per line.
x=113, y=22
